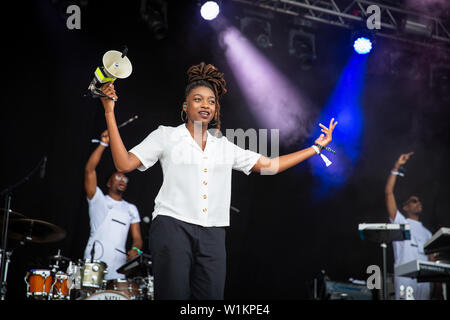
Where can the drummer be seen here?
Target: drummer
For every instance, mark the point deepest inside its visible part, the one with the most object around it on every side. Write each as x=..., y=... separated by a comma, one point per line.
x=111, y=217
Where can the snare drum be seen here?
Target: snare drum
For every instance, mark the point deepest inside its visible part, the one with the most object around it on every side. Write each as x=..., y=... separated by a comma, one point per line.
x=39, y=283
x=128, y=287
x=92, y=274
x=61, y=290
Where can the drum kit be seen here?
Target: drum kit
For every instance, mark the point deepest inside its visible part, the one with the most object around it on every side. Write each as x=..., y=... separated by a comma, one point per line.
x=84, y=280
x=65, y=279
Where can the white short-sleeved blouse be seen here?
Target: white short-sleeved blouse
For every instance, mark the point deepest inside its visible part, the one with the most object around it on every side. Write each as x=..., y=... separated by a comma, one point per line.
x=196, y=184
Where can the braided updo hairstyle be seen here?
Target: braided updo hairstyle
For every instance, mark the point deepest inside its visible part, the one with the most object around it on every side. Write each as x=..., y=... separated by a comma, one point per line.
x=207, y=75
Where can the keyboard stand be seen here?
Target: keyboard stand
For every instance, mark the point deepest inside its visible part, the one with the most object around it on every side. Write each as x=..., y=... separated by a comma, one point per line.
x=384, y=233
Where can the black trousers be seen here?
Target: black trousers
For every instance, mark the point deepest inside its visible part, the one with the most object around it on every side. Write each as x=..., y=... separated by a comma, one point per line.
x=189, y=261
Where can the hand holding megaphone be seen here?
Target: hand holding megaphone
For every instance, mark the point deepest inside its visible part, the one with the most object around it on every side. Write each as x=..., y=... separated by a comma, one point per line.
x=108, y=89
x=115, y=66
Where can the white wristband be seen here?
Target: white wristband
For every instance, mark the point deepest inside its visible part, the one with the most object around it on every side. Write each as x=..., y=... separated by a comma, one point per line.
x=397, y=173
x=101, y=142
x=316, y=149
x=324, y=158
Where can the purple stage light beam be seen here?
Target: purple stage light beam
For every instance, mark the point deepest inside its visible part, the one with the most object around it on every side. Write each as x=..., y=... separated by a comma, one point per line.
x=275, y=102
x=428, y=6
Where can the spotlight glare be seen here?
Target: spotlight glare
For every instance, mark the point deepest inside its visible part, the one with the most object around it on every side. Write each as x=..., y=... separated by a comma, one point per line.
x=362, y=45
x=209, y=10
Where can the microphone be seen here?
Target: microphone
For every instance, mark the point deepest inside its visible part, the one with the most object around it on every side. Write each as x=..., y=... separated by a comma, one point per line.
x=43, y=166
x=124, y=52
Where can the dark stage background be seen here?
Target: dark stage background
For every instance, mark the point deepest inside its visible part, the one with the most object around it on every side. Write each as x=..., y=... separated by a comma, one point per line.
x=281, y=239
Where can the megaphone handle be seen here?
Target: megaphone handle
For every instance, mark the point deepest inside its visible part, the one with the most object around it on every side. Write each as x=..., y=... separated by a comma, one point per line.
x=111, y=98
x=102, y=94
x=124, y=52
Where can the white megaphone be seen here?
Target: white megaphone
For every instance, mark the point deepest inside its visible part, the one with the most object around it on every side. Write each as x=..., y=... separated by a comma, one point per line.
x=115, y=66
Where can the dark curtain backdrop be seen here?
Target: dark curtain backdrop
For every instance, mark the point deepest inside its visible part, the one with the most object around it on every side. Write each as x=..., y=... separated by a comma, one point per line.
x=280, y=239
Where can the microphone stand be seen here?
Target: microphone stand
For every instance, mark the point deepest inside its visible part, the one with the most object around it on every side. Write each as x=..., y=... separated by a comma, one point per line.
x=145, y=226
x=7, y=192
x=93, y=252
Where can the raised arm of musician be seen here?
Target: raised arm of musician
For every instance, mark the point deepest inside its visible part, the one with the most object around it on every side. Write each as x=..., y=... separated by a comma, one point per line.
x=123, y=160
x=391, y=204
x=137, y=243
x=276, y=165
x=90, y=175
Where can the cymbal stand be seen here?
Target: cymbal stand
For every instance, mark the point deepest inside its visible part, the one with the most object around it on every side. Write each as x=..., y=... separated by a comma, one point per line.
x=5, y=257
x=53, y=271
x=149, y=282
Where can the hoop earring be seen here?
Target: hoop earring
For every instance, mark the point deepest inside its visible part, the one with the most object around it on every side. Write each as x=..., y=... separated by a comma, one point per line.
x=182, y=118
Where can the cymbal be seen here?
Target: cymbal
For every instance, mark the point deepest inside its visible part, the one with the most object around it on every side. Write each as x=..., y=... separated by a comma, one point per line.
x=33, y=230
x=12, y=214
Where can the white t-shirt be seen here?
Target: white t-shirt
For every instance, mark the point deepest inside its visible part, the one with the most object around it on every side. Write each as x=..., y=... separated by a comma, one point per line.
x=110, y=223
x=409, y=250
x=196, y=184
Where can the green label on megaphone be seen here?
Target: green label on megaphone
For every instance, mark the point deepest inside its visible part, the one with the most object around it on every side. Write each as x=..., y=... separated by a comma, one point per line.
x=101, y=77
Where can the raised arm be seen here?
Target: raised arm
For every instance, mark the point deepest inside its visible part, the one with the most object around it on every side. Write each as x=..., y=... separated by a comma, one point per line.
x=391, y=204
x=123, y=160
x=90, y=175
x=276, y=165
x=135, y=230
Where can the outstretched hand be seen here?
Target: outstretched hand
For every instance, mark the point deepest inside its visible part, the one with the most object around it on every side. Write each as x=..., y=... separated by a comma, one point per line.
x=108, y=89
x=403, y=159
x=327, y=135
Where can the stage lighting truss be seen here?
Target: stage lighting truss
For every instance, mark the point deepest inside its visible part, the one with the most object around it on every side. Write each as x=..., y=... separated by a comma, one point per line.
x=257, y=30
x=154, y=14
x=302, y=46
x=396, y=23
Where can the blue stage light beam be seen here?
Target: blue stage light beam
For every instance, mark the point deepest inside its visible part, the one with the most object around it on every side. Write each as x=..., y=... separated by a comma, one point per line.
x=344, y=105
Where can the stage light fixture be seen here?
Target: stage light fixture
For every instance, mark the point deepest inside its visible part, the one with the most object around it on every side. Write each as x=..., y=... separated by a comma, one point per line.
x=415, y=27
x=302, y=46
x=209, y=10
x=363, y=42
x=362, y=45
x=257, y=30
